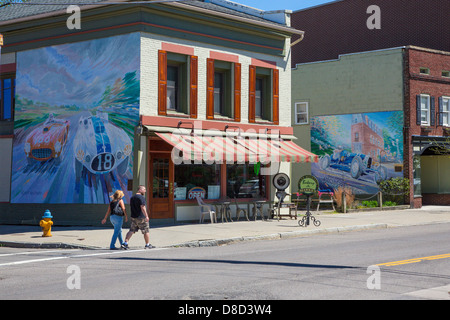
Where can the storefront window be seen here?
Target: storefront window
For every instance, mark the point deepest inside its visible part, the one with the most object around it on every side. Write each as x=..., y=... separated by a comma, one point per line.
x=188, y=176
x=243, y=182
x=416, y=173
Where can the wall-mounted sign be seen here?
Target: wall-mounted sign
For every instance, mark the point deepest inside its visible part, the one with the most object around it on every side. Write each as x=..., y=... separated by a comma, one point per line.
x=308, y=185
x=195, y=192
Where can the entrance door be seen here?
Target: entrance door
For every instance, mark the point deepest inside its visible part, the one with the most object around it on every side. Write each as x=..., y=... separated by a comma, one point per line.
x=161, y=186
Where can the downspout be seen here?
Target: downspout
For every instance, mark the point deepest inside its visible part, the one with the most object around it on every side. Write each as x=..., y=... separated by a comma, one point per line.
x=302, y=35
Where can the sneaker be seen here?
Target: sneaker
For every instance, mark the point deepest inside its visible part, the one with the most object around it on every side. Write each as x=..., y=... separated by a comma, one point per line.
x=148, y=246
x=124, y=246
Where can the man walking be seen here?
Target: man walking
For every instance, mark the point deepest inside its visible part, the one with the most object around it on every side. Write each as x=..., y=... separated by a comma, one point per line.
x=139, y=218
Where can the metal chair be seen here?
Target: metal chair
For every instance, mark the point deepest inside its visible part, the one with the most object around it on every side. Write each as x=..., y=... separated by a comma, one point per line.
x=240, y=210
x=206, y=209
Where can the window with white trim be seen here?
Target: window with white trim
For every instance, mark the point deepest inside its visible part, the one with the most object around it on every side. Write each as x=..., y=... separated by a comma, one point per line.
x=445, y=111
x=425, y=109
x=301, y=113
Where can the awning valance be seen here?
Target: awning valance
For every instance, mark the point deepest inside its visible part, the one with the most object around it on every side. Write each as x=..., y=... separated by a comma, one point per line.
x=221, y=148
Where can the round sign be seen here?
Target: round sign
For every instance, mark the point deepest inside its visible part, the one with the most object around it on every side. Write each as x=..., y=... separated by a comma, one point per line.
x=281, y=181
x=308, y=185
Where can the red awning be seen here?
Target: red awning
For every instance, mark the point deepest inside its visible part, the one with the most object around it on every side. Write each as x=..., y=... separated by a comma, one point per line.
x=234, y=149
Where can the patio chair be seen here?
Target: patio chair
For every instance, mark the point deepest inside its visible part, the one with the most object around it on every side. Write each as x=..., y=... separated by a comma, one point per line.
x=240, y=210
x=205, y=210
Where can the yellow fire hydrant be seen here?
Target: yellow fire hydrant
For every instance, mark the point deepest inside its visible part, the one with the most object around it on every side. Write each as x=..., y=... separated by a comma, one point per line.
x=46, y=224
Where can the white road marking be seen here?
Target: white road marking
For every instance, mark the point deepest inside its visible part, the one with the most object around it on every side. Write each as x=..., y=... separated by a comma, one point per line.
x=34, y=252
x=77, y=256
x=438, y=293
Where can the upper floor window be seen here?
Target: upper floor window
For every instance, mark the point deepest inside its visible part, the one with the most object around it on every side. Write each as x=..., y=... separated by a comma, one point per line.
x=8, y=88
x=177, y=83
x=301, y=113
x=424, y=71
x=223, y=82
x=444, y=111
x=425, y=113
x=263, y=94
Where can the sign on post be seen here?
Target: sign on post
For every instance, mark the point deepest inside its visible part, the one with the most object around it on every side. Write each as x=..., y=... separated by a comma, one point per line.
x=308, y=185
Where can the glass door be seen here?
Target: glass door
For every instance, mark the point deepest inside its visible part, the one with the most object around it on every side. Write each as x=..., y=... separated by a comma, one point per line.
x=161, y=186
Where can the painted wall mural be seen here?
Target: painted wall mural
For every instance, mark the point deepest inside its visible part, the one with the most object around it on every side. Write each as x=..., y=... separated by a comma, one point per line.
x=75, y=111
x=357, y=150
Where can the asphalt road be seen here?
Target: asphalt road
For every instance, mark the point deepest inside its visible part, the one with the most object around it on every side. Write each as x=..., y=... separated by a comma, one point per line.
x=336, y=266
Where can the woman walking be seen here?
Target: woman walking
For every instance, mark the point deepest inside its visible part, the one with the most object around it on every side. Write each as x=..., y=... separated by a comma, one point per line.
x=117, y=210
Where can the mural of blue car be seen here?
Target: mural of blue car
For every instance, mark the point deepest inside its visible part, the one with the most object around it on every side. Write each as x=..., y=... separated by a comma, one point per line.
x=100, y=146
x=357, y=164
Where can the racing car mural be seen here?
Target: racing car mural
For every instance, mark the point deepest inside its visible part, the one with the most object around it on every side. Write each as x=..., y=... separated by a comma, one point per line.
x=47, y=142
x=93, y=148
x=357, y=150
x=74, y=118
x=356, y=164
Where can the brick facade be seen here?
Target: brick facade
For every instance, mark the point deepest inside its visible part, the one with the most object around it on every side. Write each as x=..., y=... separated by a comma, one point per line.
x=434, y=85
x=340, y=27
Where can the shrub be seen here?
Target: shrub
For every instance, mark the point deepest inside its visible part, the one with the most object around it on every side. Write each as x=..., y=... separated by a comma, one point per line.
x=370, y=204
x=349, y=197
x=395, y=189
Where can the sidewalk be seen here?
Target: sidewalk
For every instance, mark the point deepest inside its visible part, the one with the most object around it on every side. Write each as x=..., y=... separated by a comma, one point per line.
x=221, y=233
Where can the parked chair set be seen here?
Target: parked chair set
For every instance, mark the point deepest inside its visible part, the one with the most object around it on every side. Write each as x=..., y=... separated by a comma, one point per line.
x=225, y=211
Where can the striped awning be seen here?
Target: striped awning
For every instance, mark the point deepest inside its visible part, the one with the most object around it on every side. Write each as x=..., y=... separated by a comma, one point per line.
x=219, y=149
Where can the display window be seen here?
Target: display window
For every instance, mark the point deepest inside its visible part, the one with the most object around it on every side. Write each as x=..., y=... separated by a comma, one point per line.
x=189, y=176
x=245, y=181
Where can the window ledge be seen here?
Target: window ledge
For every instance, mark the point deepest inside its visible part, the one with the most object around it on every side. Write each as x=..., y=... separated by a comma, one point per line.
x=173, y=113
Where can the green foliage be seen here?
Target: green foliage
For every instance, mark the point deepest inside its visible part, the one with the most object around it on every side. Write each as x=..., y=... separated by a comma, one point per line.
x=395, y=189
x=370, y=204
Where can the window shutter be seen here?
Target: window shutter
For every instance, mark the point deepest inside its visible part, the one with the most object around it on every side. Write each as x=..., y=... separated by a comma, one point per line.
x=193, y=85
x=252, y=94
x=162, y=83
x=441, y=110
x=432, y=112
x=237, y=92
x=209, y=88
x=418, y=110
x=275, y=96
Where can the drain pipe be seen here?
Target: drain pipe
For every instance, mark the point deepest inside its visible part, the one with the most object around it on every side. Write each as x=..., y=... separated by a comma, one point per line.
x=302, y=35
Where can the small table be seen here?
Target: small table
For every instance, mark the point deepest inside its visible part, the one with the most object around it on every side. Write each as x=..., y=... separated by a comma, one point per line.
x=224, y=208
x=258, y=207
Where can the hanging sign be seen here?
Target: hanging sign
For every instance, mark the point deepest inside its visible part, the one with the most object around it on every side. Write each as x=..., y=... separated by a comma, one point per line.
x=308, y=185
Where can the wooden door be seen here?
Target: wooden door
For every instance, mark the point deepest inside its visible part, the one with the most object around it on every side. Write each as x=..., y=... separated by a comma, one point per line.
x=161, y=186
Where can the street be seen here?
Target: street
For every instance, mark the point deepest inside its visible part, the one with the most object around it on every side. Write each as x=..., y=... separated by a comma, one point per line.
x=414, y=264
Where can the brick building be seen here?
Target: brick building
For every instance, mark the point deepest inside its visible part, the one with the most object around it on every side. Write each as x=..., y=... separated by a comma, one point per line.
x=427, y=124
x=398, y=72
x=340, y=27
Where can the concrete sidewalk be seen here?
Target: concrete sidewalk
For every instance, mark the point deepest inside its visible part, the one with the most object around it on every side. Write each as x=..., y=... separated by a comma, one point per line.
x=221, y=233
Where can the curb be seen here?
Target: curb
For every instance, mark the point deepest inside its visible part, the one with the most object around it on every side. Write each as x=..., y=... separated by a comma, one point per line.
x=276, y=236
x=207, y=242
x=55, y=245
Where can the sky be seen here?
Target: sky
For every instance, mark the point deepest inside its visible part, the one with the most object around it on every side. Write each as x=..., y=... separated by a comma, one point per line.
x=293, y=5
